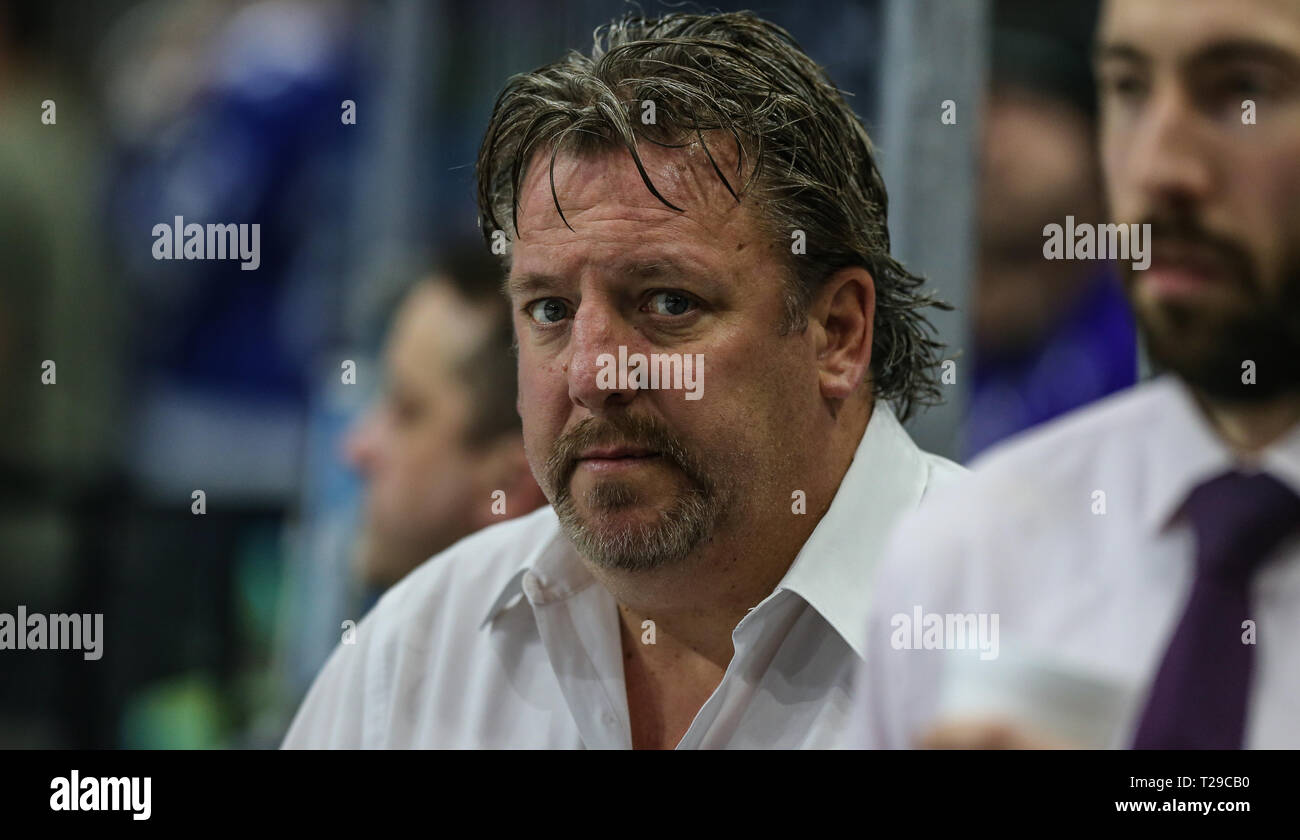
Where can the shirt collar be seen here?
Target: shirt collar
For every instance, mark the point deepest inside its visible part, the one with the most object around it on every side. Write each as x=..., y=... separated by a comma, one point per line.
x=550, y=571
x=1282, y=459
x=1182, y=450
x=832, y=572
x=509, y=595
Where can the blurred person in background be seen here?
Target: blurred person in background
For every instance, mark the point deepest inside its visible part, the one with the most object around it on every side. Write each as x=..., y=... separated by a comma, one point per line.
x=1050, y=336
x=1150, y=544
x=225, y=113
x=61, y=338
x=446, y=434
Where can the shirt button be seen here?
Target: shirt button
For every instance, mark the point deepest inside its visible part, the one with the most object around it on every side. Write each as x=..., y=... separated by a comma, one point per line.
x=609, y=718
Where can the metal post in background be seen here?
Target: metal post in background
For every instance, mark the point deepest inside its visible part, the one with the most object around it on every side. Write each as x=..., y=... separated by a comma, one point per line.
x=934, y=51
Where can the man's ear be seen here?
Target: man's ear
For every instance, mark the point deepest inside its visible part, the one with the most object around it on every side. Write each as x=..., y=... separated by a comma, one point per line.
x=843, y=313
x=505, y=467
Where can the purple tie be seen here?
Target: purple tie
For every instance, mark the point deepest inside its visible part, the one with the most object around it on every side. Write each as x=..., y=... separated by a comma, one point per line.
x=1198, y=700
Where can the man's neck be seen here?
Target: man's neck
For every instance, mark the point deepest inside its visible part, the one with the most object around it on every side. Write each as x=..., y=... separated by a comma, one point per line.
x=1249, y=428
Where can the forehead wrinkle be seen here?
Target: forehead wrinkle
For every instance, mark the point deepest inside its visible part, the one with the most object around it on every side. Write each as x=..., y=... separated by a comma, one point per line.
x=653, y=268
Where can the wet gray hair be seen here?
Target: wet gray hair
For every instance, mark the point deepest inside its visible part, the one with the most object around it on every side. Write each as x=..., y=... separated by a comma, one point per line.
x=809, y=159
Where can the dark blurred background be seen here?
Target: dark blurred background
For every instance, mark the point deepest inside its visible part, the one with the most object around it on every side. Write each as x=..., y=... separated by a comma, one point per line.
x=180, y=376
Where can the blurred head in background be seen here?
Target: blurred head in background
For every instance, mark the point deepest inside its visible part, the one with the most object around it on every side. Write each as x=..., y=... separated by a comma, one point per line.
x=1039, y=164
x=445, y=433
x=1200, y=132
x=1050, y=335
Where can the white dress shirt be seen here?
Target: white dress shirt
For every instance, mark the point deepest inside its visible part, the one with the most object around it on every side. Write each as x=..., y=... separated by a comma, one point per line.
x=506, y=640
x=1092, y=593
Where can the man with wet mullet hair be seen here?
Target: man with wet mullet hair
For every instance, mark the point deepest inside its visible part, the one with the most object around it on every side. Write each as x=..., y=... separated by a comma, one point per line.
x=696, y=186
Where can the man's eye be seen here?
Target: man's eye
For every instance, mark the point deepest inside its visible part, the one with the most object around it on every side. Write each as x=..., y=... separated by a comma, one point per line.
x=669, y=303
x=548, y=310
x=1244, y=86
x=405, y=411
x=1124, y=86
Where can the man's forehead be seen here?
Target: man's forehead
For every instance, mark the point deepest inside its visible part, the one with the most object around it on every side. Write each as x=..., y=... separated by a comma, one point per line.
x=1184, y=29
x=606, y=183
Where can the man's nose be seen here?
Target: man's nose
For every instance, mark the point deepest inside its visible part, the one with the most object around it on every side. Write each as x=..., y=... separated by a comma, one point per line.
x=597, y=333
x=1170, y=160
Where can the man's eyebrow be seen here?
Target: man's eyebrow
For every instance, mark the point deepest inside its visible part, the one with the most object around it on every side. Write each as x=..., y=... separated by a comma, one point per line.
x=1218, y=52
x=654, y=268
x=1118, y=51
x=1246, y=49
x=532, y=282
